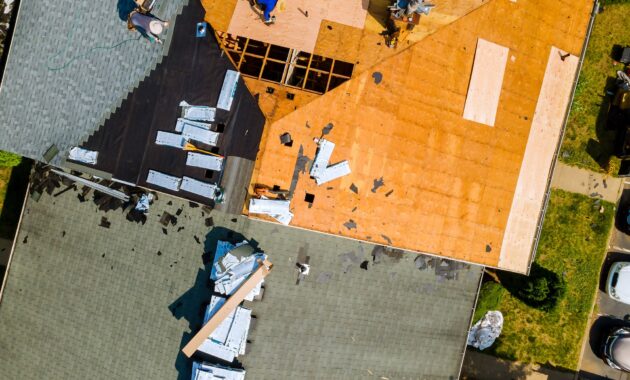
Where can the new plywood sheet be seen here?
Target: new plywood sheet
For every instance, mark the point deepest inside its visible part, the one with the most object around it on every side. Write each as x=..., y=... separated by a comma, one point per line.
x=486, y=82
x=543, y=139
x=424, y=178
x=293, y=28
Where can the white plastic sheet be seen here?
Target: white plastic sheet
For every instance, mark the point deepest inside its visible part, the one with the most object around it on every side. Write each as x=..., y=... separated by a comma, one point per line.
x=483, y=334
x=83, y=155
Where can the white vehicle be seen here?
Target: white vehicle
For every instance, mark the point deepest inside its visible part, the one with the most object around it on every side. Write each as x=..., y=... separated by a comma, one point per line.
x=618, y=283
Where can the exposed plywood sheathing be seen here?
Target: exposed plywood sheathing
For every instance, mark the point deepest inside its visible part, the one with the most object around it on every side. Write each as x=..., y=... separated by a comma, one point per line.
x=337, y=39
x=486, y=81
x=539, y=154
x=447, y=184
x=297, y=26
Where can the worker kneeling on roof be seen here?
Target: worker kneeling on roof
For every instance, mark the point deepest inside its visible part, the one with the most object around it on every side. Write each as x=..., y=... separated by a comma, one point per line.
x=267, y=7
x=148, y=25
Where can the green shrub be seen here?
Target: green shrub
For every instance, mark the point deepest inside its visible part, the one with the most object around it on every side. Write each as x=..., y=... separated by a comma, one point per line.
x=542, y=289
x=9, y=160
x=490, y=297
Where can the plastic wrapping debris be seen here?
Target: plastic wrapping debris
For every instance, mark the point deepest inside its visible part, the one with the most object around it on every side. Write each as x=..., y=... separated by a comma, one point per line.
x=232, y=266
x=83, y=155
x=483, y=334
x=276, y=208
x=144, y=202
x=207, y=371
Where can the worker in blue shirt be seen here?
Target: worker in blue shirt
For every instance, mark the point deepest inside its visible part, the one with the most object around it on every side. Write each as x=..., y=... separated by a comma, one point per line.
x=268, y=6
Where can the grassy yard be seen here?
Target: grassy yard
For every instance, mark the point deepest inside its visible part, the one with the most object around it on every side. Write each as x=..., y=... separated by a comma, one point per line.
x=587, y=143
x=572, y=245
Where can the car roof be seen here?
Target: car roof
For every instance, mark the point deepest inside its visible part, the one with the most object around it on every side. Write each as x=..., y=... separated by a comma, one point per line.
x=621, y=350
x=622, y=287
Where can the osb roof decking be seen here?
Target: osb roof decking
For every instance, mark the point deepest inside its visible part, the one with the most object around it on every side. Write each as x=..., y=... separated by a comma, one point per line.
x=350, y=33
x=448, y=182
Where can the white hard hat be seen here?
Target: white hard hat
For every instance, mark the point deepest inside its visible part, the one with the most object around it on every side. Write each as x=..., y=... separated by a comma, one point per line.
x=156, y=27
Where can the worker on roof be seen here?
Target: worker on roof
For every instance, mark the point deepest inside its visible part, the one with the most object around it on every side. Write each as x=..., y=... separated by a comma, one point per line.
x=267, y=7
x=148, y=25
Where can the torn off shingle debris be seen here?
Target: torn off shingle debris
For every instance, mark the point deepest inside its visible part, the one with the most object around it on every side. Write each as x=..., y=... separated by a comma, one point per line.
x=354, y=188
x=379, y=182
x=350, y=224
x=326, y=130
x=387, y=239
x=420, y=262
x=378, y=77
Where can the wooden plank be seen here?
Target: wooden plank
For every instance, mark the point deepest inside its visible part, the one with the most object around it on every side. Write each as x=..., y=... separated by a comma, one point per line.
x=228, y=307
x=486, y=82
x=293, y=28
x=544, y=136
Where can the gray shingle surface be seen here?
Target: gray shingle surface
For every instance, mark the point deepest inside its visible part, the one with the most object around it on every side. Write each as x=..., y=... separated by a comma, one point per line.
x=87, y=301
x=71, y=64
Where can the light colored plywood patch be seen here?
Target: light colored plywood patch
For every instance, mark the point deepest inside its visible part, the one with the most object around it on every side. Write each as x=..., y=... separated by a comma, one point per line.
x=293, y=28
x=539, y=154
x=486, y=82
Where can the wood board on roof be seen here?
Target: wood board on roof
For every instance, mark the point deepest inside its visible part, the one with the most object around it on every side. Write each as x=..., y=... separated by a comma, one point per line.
x=486, y=82
x=297, y=26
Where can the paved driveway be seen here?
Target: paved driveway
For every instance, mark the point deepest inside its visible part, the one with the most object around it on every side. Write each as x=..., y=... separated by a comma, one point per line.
x=608, y=312
x=608, y=315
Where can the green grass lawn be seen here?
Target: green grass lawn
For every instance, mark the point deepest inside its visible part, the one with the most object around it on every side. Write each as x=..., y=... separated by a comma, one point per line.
x=587, y=143
x=573, y=245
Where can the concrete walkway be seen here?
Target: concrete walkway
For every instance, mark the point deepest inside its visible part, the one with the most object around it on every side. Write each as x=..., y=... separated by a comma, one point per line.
x=582, y=181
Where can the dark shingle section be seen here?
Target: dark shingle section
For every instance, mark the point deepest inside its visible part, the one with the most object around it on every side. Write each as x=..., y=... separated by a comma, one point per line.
x=70, y=65
x=118, y=302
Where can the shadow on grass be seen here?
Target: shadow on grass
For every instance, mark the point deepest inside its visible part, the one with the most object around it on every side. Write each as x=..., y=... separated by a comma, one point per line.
x=606, y=124
x=192, y=305
x=542, y=289
x=14, y=199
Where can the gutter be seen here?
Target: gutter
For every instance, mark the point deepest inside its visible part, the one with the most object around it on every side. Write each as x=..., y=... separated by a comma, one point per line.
x=543, y=212
x=17, y=231
x=9, y=37
x=472, y=315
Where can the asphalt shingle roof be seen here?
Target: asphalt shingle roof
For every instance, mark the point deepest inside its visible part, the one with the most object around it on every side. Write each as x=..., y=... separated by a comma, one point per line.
x=119, y=302
x=70, y=65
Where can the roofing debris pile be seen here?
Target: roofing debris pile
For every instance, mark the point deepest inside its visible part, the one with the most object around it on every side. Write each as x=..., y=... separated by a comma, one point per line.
x=194, y=134
x=229, y=339
x=321, y=171
x=233, y=265
x=107, y=195
x=483, y=334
